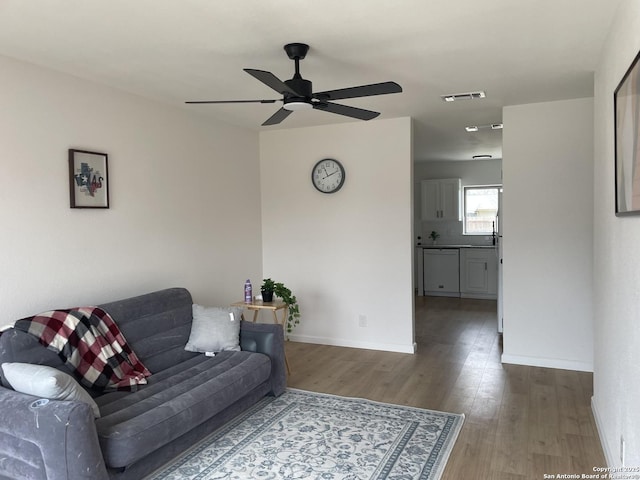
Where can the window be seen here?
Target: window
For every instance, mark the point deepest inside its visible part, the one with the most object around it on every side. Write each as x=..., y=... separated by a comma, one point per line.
x=480, y=210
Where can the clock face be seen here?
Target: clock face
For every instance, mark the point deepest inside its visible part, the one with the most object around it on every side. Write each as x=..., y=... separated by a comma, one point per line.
x=328, y=175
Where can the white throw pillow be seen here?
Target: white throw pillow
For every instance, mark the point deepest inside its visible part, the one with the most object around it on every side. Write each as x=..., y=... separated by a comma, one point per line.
x=46, y=382
x=214, y=329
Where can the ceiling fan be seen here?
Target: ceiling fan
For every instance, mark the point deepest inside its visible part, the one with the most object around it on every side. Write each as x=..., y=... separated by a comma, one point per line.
x=298, y=94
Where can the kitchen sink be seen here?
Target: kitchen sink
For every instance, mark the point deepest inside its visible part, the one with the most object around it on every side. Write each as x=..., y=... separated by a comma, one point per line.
x=437, y=245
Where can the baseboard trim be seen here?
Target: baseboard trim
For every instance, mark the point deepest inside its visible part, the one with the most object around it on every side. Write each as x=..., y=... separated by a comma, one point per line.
x=606, y=448
x=340, y=342
x=547, y=363
x=479, y=296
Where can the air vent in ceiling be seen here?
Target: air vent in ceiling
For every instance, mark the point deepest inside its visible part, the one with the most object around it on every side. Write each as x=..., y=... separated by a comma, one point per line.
x=475, y=128
x=452, y=97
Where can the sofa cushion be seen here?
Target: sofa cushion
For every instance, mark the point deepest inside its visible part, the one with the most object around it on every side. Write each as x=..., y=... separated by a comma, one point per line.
x=214, y=329
x=175, y=401
x=156, y=326
x=46, y=382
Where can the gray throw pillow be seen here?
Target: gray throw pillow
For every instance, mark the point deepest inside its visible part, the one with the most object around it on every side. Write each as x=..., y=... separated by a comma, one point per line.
x=46, y=382
x=214, y=329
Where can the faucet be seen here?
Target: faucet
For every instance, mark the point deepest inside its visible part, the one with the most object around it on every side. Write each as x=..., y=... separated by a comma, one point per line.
x=493, y=232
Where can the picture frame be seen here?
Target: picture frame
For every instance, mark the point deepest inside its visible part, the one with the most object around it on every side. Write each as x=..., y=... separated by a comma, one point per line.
x=88, y=179
x=626, y=101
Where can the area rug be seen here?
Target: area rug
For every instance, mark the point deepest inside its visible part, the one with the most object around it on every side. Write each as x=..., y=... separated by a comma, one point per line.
x=304, y=435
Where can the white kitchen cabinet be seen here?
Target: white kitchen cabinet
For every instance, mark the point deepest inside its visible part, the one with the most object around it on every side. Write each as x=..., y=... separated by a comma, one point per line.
x=441, y=199
x=478, y=273
x=441, y=272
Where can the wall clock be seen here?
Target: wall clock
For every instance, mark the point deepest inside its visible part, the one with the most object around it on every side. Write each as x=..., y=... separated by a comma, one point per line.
x=328, y=175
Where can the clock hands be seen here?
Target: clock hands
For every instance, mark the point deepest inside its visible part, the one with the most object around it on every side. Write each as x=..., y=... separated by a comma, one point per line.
x=327, y=175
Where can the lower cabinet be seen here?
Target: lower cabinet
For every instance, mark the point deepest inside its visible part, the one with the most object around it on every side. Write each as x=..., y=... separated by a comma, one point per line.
x=478, y=273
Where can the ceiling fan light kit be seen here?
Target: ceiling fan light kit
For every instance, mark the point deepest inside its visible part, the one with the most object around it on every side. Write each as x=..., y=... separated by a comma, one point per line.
x=298, y=93
x=294, y=105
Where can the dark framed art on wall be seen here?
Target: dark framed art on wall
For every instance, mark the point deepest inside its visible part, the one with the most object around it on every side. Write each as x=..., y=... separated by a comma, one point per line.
x=88, y=179
x=626, y=101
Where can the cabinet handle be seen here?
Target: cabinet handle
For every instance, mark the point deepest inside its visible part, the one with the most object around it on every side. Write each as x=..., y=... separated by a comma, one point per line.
x=485, y=266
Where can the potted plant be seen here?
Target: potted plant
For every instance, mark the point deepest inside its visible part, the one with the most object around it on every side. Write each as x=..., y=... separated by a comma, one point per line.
x=267, y=289
x=270, y=288
x=434, y=236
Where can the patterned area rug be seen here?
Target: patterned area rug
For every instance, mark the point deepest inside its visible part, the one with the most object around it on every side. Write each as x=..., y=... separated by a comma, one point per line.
x=304, y=435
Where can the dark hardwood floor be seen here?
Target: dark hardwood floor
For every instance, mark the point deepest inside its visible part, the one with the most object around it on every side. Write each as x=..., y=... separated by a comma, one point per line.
x=521, y=422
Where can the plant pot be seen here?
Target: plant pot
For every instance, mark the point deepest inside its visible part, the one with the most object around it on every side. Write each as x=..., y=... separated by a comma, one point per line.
x=267, y=296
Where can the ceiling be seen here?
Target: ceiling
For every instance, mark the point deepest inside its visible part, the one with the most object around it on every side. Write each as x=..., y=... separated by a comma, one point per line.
x=518, y=52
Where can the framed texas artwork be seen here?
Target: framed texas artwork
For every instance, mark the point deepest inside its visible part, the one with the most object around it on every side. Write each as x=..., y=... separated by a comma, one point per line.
x=88, y=179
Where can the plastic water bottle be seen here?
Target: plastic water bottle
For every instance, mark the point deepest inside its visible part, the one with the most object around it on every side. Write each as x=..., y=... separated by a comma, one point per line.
x=248, y=293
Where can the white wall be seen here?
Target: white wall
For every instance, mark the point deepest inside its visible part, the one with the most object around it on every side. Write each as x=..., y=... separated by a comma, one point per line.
x=547, y=226
x=185, y=201
x=349, y=253
x=617, y=262
x=470, y=172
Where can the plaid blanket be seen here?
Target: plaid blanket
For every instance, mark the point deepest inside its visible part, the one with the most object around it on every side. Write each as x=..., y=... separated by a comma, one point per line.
x=88, y=340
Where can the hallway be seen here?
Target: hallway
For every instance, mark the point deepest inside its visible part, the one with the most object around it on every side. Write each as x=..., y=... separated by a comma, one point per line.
x=521, y=422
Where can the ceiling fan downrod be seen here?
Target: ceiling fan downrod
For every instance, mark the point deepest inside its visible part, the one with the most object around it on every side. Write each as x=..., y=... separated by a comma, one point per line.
x=297, y=52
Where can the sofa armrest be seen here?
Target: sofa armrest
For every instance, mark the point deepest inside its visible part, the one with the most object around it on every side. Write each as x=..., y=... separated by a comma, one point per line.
x=56, y=440
x=267, y=338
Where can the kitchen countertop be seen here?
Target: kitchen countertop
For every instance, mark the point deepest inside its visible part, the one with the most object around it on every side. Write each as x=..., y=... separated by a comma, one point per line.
x=455, y=246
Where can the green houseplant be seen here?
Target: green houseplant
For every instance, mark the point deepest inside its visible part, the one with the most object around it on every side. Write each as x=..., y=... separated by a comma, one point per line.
x=434, y=236
x=267, y=289
x=270, y=288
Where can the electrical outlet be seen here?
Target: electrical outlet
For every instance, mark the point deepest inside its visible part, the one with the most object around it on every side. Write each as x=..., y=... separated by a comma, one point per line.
x=362, y=321
x=622, y=447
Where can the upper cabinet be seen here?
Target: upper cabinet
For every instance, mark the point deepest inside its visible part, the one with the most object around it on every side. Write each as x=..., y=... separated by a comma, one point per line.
x=441, y=199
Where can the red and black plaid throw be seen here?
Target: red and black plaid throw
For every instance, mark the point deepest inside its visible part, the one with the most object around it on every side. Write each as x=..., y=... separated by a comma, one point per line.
x=88, y=340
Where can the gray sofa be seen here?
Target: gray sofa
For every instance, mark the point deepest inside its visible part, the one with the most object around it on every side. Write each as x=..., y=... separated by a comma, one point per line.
x=187, y=396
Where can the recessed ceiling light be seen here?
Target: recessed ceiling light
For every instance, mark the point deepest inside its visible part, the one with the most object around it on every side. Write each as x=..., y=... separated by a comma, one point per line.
x=452, y=97
x=479, y=157
x=496, y=126
x=471, y=128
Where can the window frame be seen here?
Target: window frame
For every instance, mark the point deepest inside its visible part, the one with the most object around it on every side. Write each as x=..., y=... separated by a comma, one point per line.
x=497, y=187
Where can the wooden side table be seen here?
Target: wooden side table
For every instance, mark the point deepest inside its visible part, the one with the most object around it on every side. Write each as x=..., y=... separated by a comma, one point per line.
x=274, y=306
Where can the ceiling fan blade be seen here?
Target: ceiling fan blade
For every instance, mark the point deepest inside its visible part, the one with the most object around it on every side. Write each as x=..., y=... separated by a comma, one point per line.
x=353, y=112
x=361, y=91
x=277, y=117
x=232, y=101
x=270, y=80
